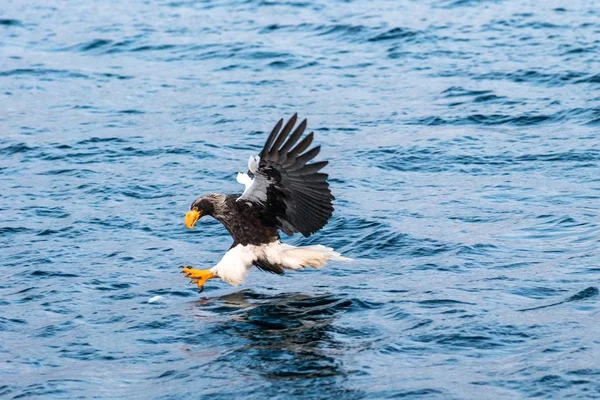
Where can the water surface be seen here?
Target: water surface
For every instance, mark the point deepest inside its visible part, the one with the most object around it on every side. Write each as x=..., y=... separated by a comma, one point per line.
x=464, y=156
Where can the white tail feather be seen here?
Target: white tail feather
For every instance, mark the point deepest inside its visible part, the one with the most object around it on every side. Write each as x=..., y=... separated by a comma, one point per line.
x=291, y=257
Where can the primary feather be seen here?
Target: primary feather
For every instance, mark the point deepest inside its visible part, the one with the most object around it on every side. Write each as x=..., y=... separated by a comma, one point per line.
x=292, y=192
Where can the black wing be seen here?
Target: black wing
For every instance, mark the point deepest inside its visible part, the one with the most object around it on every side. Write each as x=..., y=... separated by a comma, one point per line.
x=293, y=194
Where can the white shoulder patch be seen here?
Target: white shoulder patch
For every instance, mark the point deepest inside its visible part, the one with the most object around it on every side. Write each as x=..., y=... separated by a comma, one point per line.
x=253, y=162
x=245, y=180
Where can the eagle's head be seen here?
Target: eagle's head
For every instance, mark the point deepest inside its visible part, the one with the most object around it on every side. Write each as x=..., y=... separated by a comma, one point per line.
x=205, y=205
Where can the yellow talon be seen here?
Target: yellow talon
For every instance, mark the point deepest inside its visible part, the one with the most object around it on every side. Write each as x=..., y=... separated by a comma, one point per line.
x=198, y=276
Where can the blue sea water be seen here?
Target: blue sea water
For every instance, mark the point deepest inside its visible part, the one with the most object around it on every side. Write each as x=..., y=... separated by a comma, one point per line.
x=464, y=155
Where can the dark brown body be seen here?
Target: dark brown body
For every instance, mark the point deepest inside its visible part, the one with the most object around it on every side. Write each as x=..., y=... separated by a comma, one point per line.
x=245, y=221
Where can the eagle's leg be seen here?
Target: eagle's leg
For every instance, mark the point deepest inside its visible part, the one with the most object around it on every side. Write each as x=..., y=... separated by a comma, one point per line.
x=198, y=276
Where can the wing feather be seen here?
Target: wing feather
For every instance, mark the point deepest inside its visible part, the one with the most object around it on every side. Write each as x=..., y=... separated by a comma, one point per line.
x=283, y=135
x=294, y=138
x=292, y=193
x=271, y=138
x=303, y=145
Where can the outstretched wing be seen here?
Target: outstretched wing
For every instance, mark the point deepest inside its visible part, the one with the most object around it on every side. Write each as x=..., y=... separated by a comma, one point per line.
x=292, y=193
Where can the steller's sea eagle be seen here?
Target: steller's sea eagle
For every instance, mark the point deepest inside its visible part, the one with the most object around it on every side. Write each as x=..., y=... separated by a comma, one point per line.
x=283, y=192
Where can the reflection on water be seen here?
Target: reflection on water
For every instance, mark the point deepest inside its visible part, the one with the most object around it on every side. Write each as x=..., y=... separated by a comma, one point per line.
x=285, y=337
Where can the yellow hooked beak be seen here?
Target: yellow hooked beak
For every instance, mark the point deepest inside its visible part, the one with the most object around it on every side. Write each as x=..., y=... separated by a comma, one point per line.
x=192, y=217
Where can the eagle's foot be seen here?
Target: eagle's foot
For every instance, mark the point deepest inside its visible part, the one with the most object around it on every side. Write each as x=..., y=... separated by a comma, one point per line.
x=198, y=276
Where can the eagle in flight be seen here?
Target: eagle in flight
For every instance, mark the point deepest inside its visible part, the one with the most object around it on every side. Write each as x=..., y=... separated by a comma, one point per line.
x=283, y=192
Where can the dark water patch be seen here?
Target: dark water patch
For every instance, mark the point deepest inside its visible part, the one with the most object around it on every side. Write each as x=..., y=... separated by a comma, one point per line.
x=51, y=274
x=10, y=22
x=381, y=240
x=160, y=47
x=425, y=393
x=150, y=192
x=341, y=30
x=393, y=34
x=589, y=292
x=104, y=286
x=585, y=372
x=62, y=232
x=457, y=91
x=492, y=120
x=95, y=140
x=53, y=330
x=8, y=324
x=16, y=148
x=165, y=322
x=536, y=292
x=281, y=64
x=43, y=73
x=464, y=3
x=418, y=159
x=69, y=171
x=481, y=342
x=10, y=230
x=585, y=294
x=442, y=303
x=587, y=155
x=37, y=390
x=539, y=77
x=490, y=97
x=115, y=47
x=93, y=45
x=111, y=75
x=595, y=78
x=131, y=112
x=581, y=50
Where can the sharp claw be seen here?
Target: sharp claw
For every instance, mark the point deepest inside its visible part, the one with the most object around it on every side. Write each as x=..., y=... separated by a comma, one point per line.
x=201, y=289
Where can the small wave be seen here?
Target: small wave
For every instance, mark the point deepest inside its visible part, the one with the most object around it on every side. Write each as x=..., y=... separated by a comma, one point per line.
x=69, y=171
x=587, y=116
x=101, y=140
x=340, y=30
x=93, y=45
x=443, y=302
x=159, y=47
x=101, y=46
x=16, y=148
x=587, y=293
x=131, y=112
x=63, y=232
x=51, y=212
x=51, y=73
x=463, y=3
x=145, y=192
x=54, y=274
x=458, y=91
x=556, y=79
x=9, y=230
x=584, y=294
x=392, y=34
x=458, y=340
x=382, y=241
